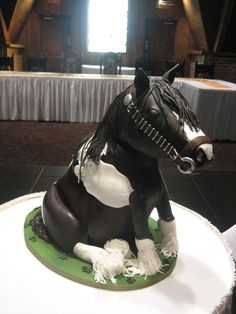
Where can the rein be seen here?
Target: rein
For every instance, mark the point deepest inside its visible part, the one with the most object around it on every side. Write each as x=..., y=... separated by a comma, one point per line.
x=185, y=165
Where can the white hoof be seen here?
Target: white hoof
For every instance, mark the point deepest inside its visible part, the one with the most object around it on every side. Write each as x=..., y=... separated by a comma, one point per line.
x=149, y=262
x=169, y=244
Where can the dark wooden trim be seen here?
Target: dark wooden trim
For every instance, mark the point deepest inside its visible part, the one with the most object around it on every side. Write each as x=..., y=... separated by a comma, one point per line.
x=223, y=26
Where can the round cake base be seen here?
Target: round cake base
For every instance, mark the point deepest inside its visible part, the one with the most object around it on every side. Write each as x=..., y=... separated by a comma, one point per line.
x=69, y=266
x=202, y=280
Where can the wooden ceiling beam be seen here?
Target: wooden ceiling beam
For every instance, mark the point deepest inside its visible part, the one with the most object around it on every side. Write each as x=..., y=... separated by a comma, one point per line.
x=4, y=28
x=194, y=18
x=19, y=18
x=223, y=25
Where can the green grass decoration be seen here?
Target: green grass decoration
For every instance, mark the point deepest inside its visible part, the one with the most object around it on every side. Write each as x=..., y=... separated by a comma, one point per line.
x=70, y=266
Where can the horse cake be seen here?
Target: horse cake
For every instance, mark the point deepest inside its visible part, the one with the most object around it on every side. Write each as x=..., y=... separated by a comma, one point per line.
x=99, y=210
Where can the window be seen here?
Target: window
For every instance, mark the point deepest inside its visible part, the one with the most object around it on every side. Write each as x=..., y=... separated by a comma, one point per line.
x=107, y=25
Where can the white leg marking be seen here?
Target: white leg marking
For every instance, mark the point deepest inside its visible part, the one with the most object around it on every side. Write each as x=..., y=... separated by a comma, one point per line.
x=169, y=245
x=108, y=262
x=149, y=262
x=119, y=245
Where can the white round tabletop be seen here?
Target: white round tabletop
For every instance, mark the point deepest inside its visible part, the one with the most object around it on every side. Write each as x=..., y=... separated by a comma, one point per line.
x=201, y=282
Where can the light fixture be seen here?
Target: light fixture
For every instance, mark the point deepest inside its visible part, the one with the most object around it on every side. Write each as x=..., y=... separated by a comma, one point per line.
x=165, y=4
x=47, y=17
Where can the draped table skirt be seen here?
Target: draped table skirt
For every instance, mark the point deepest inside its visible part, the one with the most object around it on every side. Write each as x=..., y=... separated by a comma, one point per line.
x=86, y=97
x=58, y=97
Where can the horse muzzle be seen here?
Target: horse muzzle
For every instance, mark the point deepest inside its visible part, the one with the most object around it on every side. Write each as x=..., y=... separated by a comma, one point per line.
x=197, y=154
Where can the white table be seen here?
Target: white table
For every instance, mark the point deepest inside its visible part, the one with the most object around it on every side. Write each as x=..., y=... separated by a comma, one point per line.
x=95, y=69
x=58, y=97
x=214, y=103
x=86, y=97
x=201, y=282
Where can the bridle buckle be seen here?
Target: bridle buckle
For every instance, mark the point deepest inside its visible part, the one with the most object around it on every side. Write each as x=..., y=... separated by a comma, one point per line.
x=187, y=165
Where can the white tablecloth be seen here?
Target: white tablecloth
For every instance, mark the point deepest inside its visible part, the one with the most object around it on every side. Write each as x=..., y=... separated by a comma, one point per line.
x=95, y=69
x=201, y=282
x=214, y=103
x=58, y=97
x=86, y=97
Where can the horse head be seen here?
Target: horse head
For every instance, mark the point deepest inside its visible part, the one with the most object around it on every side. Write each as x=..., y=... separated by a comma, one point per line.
x=157, y=118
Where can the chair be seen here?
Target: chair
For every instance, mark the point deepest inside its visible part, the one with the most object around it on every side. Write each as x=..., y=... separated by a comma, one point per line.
x=7, y=63
x=204, y=71
x=37, y=64
x=110, y=63
x=71, y=62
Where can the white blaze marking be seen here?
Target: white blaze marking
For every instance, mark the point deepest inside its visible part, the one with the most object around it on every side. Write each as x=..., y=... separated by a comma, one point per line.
x=191, y=134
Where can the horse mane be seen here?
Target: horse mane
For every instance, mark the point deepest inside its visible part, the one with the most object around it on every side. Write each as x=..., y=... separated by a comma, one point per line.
x=177, y=102
x=105, y=132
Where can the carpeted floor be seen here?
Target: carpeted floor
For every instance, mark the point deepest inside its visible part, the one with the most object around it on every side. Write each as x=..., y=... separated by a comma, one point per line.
x=45, y=143
x=53, y=143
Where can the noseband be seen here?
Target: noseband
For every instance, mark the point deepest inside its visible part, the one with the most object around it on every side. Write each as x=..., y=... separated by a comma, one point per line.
x=185, y=165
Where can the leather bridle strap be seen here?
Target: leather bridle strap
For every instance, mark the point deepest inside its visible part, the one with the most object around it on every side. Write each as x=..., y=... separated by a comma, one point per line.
x=194, y=143
x=184, y=164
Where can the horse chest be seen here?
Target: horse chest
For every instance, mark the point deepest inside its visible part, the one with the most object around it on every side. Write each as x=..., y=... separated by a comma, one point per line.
x=105, y=183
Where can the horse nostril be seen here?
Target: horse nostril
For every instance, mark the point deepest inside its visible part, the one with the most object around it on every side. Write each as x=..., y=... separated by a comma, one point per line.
x=200, y=155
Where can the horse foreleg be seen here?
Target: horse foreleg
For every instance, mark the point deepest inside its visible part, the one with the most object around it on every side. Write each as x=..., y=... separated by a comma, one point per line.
x=149, y=262
x=167, y=227
x=169, y=244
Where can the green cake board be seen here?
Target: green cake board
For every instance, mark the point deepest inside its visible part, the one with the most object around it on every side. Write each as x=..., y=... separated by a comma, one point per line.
x=70, y=266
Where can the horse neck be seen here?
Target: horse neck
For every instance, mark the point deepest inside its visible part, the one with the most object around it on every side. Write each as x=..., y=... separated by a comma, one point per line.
x=124, y=139
x=140, y=159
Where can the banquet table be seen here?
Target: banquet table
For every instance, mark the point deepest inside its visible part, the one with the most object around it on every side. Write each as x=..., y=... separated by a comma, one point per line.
x=214, y=103
x=85, y=98
x=57, y=96
x=201, y=282
x=95, y=69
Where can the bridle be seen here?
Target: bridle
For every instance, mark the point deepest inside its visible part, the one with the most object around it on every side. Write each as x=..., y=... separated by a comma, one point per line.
x=185, y=164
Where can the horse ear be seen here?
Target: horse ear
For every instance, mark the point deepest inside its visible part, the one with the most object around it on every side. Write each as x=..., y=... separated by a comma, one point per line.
x=169, y=76
x=141, y=81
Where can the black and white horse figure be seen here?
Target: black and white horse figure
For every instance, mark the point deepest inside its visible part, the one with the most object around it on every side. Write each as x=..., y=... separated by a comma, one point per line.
x=100, y=208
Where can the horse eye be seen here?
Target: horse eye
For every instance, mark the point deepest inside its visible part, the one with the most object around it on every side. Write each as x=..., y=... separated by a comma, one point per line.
x=153, y=114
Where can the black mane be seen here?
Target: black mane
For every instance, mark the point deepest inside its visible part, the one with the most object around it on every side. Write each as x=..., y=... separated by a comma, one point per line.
x=105, y=133
x=176, y=101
